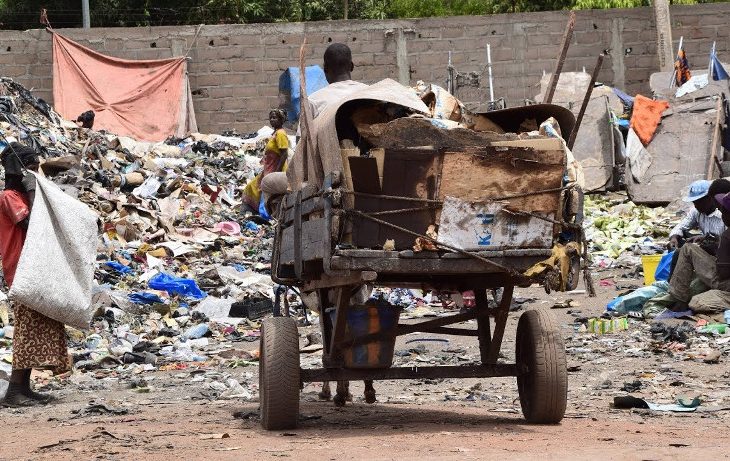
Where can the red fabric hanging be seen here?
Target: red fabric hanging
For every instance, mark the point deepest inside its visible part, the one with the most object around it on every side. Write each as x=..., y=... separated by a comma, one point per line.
x=146, y=100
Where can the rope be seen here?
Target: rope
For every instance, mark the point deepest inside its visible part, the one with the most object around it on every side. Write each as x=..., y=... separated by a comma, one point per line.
x=443, y=245
x=402, y=210
x=440, y=202
x=195, y=38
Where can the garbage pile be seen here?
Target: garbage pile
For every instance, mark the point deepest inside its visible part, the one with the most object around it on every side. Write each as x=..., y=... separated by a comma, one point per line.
x=620, y=231
x=176, y=258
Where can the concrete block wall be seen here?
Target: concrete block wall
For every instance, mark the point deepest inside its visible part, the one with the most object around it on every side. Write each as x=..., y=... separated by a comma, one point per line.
x=234, y=69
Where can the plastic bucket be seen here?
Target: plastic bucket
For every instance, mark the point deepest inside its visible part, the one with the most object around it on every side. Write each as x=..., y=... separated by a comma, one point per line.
x=365, y=320
x=650, y=263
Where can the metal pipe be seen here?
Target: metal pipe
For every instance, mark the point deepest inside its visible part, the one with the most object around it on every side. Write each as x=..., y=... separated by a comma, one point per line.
x=85, y=14
x=450, y=79
x=709, y=68
x=489, y=64
x=673, y=81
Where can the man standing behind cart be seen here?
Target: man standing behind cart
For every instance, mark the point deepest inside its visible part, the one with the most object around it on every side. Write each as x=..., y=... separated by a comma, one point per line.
x=338, y=67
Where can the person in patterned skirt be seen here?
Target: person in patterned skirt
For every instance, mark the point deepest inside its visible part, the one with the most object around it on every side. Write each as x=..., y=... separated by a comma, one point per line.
x=38, y=341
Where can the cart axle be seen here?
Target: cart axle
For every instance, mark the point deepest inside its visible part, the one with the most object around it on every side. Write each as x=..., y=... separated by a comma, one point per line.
x=480, y=371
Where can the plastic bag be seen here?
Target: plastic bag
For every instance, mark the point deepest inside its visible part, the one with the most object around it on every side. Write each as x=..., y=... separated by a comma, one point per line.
x=119, y=267
x=176, y=286
x=664, y=267
x=635, y=300
x=145, y=298
x=262, y=209
x=56, y=269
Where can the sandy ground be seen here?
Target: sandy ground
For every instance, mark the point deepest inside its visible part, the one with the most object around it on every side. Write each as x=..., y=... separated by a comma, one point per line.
x=101, y=415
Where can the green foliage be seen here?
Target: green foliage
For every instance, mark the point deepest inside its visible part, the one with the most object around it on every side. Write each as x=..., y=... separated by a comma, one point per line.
x=601, y=4
x=24, y=14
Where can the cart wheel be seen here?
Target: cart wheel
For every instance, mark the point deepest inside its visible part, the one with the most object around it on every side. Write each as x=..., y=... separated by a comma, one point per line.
x=279, y=373
x=544, y=388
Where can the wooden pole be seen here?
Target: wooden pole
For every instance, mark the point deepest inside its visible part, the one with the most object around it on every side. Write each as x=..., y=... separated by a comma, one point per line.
x=347, y=8
x=664, y=35
x=586, y=99
x=715, y=141
x=561, y=59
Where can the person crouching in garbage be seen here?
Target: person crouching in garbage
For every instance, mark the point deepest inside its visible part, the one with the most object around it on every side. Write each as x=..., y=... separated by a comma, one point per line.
x=704, y=216
x=38, y=341
x=275, y=157
x=712, y=271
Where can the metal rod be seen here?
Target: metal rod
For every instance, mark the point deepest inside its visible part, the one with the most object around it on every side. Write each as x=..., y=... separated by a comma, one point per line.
x=561, y=59
x=489, y=66
x=673, y=80
x=586, y=100
x=450, y=81
x=85, y=14
x=480, y=371
x=709, y=68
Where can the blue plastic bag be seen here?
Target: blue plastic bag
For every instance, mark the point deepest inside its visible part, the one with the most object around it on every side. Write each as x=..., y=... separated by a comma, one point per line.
x=119, y=267
x=664, y=267
x=250, y=225
x=262, y=210
x=176, y=286
x=145, y=298
x=635, y=300
x=289, y=87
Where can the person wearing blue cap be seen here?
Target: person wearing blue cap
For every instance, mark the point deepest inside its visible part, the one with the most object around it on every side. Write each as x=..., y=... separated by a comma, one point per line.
x=704, y=216
x=713, y=270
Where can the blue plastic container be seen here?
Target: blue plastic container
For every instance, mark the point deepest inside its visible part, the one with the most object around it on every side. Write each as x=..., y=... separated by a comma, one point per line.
x=365, y=320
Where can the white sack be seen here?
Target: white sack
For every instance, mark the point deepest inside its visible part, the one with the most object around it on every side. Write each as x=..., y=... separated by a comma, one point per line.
x=56, y=267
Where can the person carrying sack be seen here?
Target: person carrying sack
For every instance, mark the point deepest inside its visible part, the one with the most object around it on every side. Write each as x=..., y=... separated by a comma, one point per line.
x=38, y=342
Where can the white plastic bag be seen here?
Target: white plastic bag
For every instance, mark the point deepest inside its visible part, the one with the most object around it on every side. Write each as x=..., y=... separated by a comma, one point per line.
x=56, y=268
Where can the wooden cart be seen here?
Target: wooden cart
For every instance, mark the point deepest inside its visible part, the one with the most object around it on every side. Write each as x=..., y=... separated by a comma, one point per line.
x=319, y=247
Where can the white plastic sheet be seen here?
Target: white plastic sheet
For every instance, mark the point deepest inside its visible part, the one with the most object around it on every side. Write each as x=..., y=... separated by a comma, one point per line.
x=56, y=268
x=639, y=158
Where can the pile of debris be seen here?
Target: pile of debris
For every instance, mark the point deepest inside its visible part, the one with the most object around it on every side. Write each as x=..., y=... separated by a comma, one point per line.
x=620, y=231
x=176, y=258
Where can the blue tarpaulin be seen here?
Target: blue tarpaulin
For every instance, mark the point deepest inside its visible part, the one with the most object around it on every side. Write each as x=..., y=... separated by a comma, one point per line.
x=176, y=286
x=289, y=87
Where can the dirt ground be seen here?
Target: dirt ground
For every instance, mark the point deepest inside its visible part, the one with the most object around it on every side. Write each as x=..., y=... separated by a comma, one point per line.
x=165, y=414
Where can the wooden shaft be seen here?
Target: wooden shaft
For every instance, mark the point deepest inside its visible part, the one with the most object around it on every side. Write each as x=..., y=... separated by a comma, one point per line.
x=561, y=59
x=586, y=100
x=715, y=141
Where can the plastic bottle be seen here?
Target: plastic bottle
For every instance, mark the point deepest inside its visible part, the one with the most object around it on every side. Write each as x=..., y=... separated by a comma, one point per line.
x=198, y=331
x=727, y=317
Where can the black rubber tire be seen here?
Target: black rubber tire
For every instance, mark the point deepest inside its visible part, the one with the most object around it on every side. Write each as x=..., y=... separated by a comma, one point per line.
x=279, y=373
x=543, y=389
